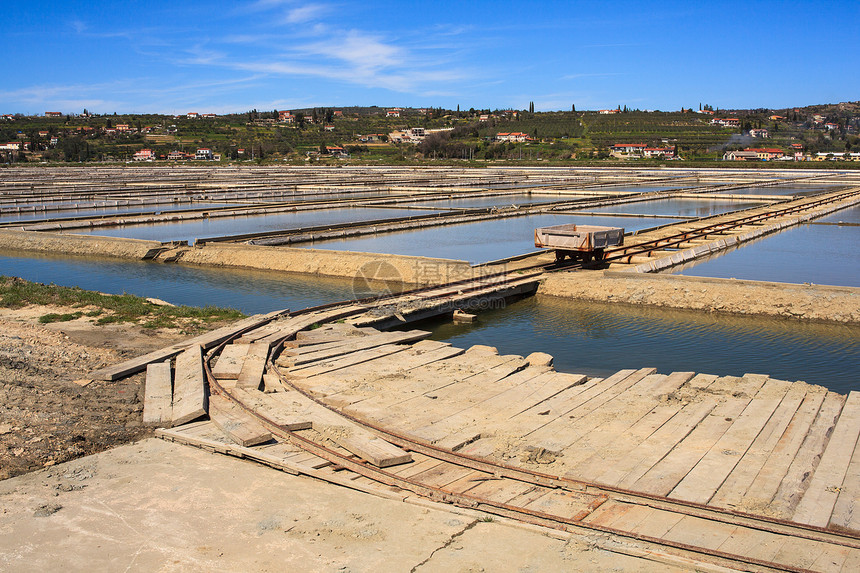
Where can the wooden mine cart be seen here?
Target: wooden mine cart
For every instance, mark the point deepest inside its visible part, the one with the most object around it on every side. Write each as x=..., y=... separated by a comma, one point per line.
x=585, y=242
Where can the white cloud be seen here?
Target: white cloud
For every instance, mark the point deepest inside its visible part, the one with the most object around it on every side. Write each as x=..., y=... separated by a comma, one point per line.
x=305, y=13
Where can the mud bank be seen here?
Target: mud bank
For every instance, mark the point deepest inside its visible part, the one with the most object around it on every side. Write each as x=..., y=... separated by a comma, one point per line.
x=58, y=243
x=806, y=302
x=344, y=264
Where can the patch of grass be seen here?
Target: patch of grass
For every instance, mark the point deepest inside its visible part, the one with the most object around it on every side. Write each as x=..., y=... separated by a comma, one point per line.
x=17, y=293
x=52, y=317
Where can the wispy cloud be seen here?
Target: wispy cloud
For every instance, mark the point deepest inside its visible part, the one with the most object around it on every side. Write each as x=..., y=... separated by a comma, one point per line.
x=305, y=13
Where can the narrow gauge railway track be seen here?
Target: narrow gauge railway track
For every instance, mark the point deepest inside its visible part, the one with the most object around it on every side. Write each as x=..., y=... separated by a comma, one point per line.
x=563, y=503
x=626, y=253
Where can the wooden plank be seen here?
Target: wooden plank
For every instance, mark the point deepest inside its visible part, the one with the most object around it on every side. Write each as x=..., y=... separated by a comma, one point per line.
x=846, y=512
x=251, y=374
x=706, y=477
x=340, y=348
x=344, y=432
x=765, y=485
x=734, y=488
x=556, y=434
x=271, y=383
x=668, y=472
x=236, y=423
x=799, y=473
x=229, y=363
x=701, y=533
x=612, y=420
x=816, y=506
x=328, y=385
x=373, y=449
x=189, y=387
x=638, y=461
x=207, y=340
x=422, y=393
x=590, y=465
x=754, y=544
x=158, y=394
x=272, y=409
x=367, y=339
x=346, y=361
x=475, y=417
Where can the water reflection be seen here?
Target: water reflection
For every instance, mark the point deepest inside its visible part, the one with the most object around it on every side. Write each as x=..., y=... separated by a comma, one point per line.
x=809, y=253
x=682, y=207
x=477, y=242
x=599, y=339
x=247, y=290
x=215, y=227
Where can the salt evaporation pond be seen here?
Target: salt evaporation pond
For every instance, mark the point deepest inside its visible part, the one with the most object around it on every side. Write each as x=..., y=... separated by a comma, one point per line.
x=100, y=211
x=238, y=225
x=808, y=253
x=681, y=207
x=476, y=242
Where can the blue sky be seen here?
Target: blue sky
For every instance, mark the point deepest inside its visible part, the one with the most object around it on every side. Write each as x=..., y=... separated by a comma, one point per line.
x=217, y=56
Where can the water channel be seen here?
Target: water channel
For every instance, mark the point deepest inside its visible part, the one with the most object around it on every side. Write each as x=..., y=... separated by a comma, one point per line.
x=594, y=339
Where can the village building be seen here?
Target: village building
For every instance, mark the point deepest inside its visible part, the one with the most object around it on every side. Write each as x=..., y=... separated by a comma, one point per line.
x=726, y=121
x=53, y=114
x=192, y=115
x=393, y=112
x=754, y=154
x=286, y=117
x=759, y=133
x=336, y=151
x=144, y=155
x=204, y=154
x=372, y=138
x=517, y=136
x=608, y=111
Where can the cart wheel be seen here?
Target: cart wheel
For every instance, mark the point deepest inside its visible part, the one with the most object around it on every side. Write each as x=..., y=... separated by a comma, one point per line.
x=599, y=255
x=559, y=256
x=586, y=258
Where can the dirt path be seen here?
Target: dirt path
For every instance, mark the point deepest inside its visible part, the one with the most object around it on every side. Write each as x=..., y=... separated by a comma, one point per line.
x=49, y=411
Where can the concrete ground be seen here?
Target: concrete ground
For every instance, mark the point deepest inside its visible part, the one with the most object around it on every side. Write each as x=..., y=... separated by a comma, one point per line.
x=159, y=506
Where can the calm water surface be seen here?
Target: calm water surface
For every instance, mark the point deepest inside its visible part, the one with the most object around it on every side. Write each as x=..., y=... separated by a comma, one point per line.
x=600, y=339
x=98, y=211
x=248, y=291
x=477, y=242
x=682, y=207
x=496, y=201
x=199, y=229
x=809, y=253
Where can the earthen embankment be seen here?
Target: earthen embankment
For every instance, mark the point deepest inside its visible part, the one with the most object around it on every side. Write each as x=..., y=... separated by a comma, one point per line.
x=58, y=244
x=797, y=301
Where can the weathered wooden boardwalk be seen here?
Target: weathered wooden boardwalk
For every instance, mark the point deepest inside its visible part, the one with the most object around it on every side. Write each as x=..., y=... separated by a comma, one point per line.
x=740, y=472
